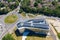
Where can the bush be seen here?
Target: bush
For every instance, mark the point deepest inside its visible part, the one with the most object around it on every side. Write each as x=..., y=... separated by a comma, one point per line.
x=13, y=6
x=35, y=4
x=8, y=37
x=1, y=5
x=4, y=11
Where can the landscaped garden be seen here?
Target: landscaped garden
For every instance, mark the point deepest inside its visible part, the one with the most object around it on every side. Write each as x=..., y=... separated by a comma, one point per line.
x=11, y=19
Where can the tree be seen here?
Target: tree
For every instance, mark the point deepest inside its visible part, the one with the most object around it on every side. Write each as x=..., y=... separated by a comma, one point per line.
x=4, y=11
x=54, y=3
x=13, y=6
x=19, y=0
x=20, y=11
x=35, y=4
x=8, y=37
x=1, y=4
x=10, y=0
x=39, y=1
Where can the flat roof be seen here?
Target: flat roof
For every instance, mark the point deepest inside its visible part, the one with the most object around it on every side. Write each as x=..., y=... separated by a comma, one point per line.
x=34, y=24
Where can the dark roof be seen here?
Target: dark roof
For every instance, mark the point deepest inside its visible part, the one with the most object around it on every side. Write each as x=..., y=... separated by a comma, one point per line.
x=35, y=24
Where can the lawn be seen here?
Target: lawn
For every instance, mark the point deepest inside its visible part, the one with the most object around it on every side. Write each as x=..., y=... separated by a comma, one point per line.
x=11, y=19
x=23, y=14
x=38, y=38
x=31, y=15
x=17, y=37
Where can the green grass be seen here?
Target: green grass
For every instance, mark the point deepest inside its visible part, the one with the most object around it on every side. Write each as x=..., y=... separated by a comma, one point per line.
x=58, y=35
x=23, y=14
x=11, y=19
x=31, y=16
x=38, y=38
x=16, y=37
x=34, y=36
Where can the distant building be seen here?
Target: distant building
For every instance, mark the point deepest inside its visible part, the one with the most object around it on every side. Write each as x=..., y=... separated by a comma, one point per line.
x=36, y=25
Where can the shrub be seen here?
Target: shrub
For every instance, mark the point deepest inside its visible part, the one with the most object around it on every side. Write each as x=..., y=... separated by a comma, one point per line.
x=8, y=37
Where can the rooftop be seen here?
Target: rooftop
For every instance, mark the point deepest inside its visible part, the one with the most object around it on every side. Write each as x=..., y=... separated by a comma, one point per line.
x=34, y=23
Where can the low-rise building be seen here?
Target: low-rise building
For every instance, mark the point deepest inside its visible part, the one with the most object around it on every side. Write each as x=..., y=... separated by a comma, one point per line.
x=36, y=25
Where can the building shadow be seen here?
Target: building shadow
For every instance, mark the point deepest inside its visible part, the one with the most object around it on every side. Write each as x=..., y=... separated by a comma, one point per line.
x=31, y=33
x=18, y=33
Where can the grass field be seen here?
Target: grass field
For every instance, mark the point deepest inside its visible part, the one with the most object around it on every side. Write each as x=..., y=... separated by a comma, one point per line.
x=38, y=38
x=23, y=14
x=31, y=15
x=17, y=37
x=11, y=18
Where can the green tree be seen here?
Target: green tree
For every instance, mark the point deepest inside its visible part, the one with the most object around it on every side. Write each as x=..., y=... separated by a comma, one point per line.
x=35, y=4
x=54, y=3
x=38, y=1
x=10, y=0
x=1, y=4
x=20, y=11
x=19, y=0
x=8, y=37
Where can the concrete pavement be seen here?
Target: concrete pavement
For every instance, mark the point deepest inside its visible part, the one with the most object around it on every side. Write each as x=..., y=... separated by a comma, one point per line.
x=53, y=32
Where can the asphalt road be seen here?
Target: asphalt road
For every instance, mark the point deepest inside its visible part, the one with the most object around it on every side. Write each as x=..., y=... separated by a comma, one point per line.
x=9, y=27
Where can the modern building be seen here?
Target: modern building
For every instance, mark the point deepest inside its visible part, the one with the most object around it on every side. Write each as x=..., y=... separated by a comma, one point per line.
x=36, y=25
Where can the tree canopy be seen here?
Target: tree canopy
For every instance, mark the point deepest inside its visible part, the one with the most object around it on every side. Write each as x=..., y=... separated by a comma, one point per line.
x=8, y=37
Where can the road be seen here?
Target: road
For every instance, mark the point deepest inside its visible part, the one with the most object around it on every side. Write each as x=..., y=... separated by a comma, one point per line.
x=9, y=27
